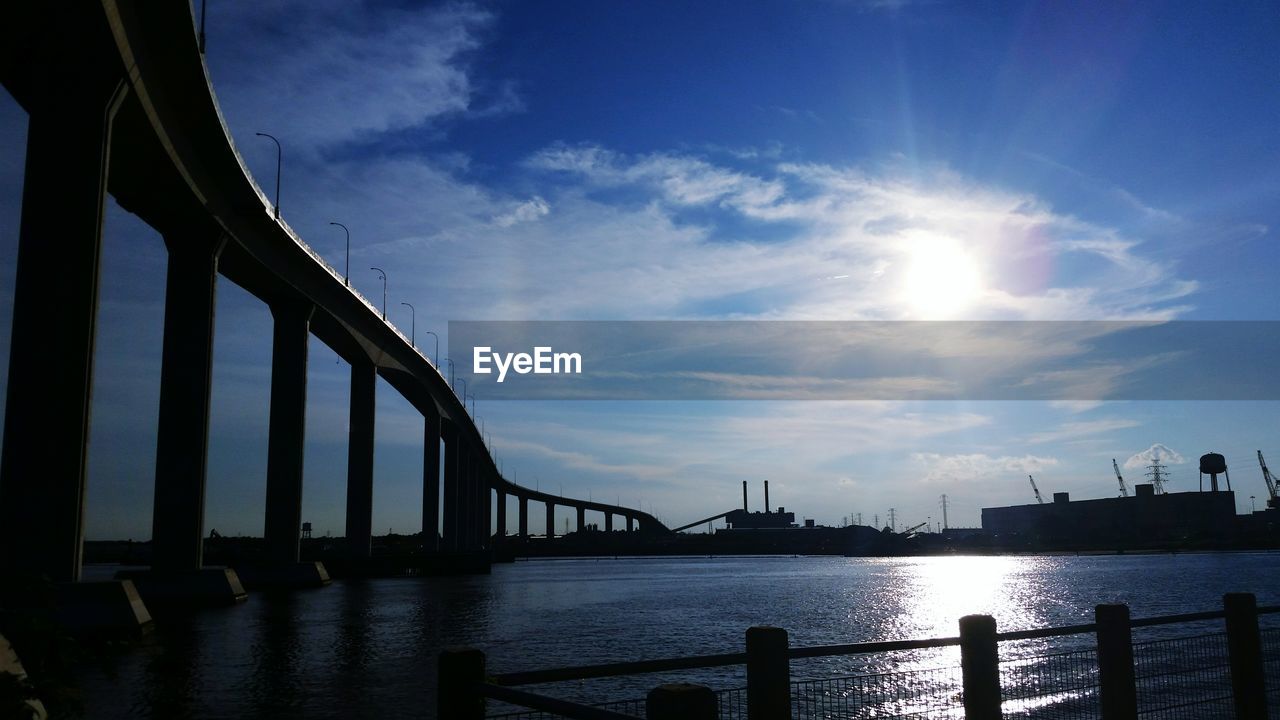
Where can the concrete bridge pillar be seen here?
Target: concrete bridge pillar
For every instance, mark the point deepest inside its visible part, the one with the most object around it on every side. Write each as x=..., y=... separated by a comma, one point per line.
x=452, y=450
x=287, y=430
x=466, y=496
x=501, y=520
x=551, y=520
x=608, y=521
x=631, y=524
x=431, y=480
x=524, y=517
x=485, y=502
x=582, y=518
x=55, y=307
x=478, y=489
x=182, y=440
x=364, y=389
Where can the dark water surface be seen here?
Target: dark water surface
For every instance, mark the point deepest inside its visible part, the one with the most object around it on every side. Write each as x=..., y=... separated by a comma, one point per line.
x=367, y=649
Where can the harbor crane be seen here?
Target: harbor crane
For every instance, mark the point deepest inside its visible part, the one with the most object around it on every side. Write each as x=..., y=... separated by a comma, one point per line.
x=1036, y=490
x=1124, y=491
x=1272, y=483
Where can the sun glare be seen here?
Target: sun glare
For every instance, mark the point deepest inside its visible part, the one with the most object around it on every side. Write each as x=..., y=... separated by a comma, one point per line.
x=942, y=278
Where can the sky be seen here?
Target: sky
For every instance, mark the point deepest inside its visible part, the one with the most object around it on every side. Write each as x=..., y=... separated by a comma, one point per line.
x=863, y=160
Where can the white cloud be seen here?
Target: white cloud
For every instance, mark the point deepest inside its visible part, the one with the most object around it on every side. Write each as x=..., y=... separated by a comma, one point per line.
x=1159, y=452
x=527, y=211
x=851, y=222
x=381, y=71
x=977, y=466
x=1074, y=430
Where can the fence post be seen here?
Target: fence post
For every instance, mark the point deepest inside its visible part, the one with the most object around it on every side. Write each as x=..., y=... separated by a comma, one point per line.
x=1245, y=646
x=768, y=674
x=1116, y=680
x=681, y=701
x=980, y=664
x=459, y=677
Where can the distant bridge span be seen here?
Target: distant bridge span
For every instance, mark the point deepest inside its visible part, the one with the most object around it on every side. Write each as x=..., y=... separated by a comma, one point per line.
x=120, y=101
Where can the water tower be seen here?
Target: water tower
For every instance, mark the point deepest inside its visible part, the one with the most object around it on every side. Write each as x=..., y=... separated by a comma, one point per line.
x=1213, y=464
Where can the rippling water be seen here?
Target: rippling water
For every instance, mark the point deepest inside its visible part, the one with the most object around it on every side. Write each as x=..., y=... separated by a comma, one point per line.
x=368, y=648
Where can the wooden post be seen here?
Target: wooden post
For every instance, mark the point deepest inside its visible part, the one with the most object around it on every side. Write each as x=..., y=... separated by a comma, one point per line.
x=980, y=664
x=768, y=674
x=1245, y=645
x=1116, y=681
x=681, y=701
x=459, y=677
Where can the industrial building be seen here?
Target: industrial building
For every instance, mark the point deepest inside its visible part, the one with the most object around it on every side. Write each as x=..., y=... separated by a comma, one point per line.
x=1149, y=518
x=1144, y=519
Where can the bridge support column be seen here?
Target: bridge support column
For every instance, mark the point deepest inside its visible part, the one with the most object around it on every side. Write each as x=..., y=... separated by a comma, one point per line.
x=582, y=519
x=431, y=481
x=466, y=496
x=501, y=520
x=524, y=517
x=55, y=308
x=450, y=480
x=608, y=521
x=287, y=430
x=473, y=499
x=485, y=504
x=182, y=439
x=551, y=520
x=631, y=524
x=364, y=388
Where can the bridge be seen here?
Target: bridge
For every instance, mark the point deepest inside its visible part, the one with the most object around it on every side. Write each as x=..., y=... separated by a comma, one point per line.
x=120, y=102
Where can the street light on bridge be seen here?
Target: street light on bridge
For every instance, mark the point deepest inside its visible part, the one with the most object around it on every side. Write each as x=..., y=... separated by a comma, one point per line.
x=412, y=321
x=451, y=387
x=384, y=291
x=347, y=270
x=437, y=355
x=279, y=160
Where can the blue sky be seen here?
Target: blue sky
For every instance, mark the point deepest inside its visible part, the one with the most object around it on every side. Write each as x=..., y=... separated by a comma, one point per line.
x=817, y=160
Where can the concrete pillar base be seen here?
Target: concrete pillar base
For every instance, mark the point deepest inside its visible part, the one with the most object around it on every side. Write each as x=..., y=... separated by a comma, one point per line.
x=11, y=665
x=112, y=607
x=287, y=577
x=206, y=587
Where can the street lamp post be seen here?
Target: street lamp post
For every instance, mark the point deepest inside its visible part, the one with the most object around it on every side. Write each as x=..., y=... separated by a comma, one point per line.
x=437, y=355
x=347, y=269
x=464, y=392
x=279, y=160
x=412, y=321
x=384, y=291
x=450, y=361
x=202, y=4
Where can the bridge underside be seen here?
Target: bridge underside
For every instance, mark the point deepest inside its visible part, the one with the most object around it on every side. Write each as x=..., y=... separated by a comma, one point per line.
x=119, y=103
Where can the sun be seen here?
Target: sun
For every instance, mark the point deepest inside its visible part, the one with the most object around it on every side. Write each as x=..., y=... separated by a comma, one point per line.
x=942, y=278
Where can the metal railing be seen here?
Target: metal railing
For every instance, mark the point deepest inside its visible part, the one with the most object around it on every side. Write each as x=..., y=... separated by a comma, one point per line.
x=1198, y=674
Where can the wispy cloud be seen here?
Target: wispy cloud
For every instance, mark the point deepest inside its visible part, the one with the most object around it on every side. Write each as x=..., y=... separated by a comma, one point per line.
x=1076, y=430
x=332, y=71
x=978, y=466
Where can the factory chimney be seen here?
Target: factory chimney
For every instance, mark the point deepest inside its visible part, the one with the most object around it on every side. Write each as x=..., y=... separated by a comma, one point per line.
x=766, y=496
x=744, y=496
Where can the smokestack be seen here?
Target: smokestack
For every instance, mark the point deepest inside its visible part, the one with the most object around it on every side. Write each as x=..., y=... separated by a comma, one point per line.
x=744, y=496
x=766, y=496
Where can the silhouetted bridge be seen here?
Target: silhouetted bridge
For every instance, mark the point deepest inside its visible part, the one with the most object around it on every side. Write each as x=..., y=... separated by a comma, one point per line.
x=120, y=101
